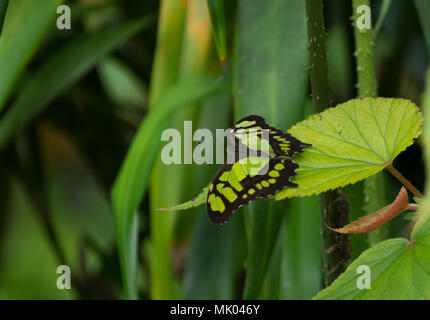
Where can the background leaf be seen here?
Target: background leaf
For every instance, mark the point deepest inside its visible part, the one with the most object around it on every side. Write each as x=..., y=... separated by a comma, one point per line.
x=132, y=180
x=423, y=10
x=25, y=25
x=349, y=143
x=164, y=74
x=3, y=10
x=385, y=6
x=216, y=10
x=269, y=80
x=121, y=84
x=171, y=232
x=59, y=72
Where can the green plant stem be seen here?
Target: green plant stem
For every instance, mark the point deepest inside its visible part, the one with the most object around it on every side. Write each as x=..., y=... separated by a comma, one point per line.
x=333, y=206
x=404, y=181
x=374, y=187
x=3, y=10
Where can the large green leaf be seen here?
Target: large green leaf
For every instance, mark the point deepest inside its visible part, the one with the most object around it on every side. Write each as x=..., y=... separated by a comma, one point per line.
x=132, y=180
x=351, y=142
x=399, y=269
x=26, y=23
x=64, y=67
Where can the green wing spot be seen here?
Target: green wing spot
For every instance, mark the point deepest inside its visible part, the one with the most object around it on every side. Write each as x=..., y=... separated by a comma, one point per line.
x=255, y=165
x=232, y=180
x=272, y=181
x=274, y=174
x=229, y=194
x=216, y=203
x=259, y=187
x=256, y=129
x=244, y=124
x=224, y=176
x=240, y=171
x=219, y=187
x=279, y=166
x=265, y=183
x=245, y=196
x=251, y=191
x=283, y=144
x=211, y=201
x=220, y=203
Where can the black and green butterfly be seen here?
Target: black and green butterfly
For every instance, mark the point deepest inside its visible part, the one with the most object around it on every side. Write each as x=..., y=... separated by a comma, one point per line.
x=251, y=177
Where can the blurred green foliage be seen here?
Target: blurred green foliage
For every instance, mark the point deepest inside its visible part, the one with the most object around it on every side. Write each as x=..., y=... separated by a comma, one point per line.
x=81, y=112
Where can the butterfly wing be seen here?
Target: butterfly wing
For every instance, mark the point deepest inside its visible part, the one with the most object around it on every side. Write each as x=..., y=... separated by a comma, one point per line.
x=283, y=144
x=235, y=185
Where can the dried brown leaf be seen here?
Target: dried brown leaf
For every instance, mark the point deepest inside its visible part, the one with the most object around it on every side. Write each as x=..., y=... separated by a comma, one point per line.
x=375, y=220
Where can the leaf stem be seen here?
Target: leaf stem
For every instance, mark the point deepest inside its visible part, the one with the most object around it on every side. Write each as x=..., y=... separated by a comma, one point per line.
x=404, y=181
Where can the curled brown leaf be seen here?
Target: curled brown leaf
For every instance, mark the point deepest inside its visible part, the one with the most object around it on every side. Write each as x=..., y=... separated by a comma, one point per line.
x=374, y=220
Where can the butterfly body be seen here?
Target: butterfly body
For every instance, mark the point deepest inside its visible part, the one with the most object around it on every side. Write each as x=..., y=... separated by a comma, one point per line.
x=265, y=168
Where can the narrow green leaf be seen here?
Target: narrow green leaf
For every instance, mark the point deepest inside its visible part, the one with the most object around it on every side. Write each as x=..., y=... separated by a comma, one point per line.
x=64, y=67
x=339, y=62
x=26, y=23
x=201, y=198
x=132, y=180
x=301, y=262
x=164, y=74
x=211, y=247
x=350, y=143
x=423, y=9
x=271, y=289
x=266, y=221
x=169, y=230
x=216, y=11
x=381, y=18
x=3, y=10
x=121, y=84
x=212, y=257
